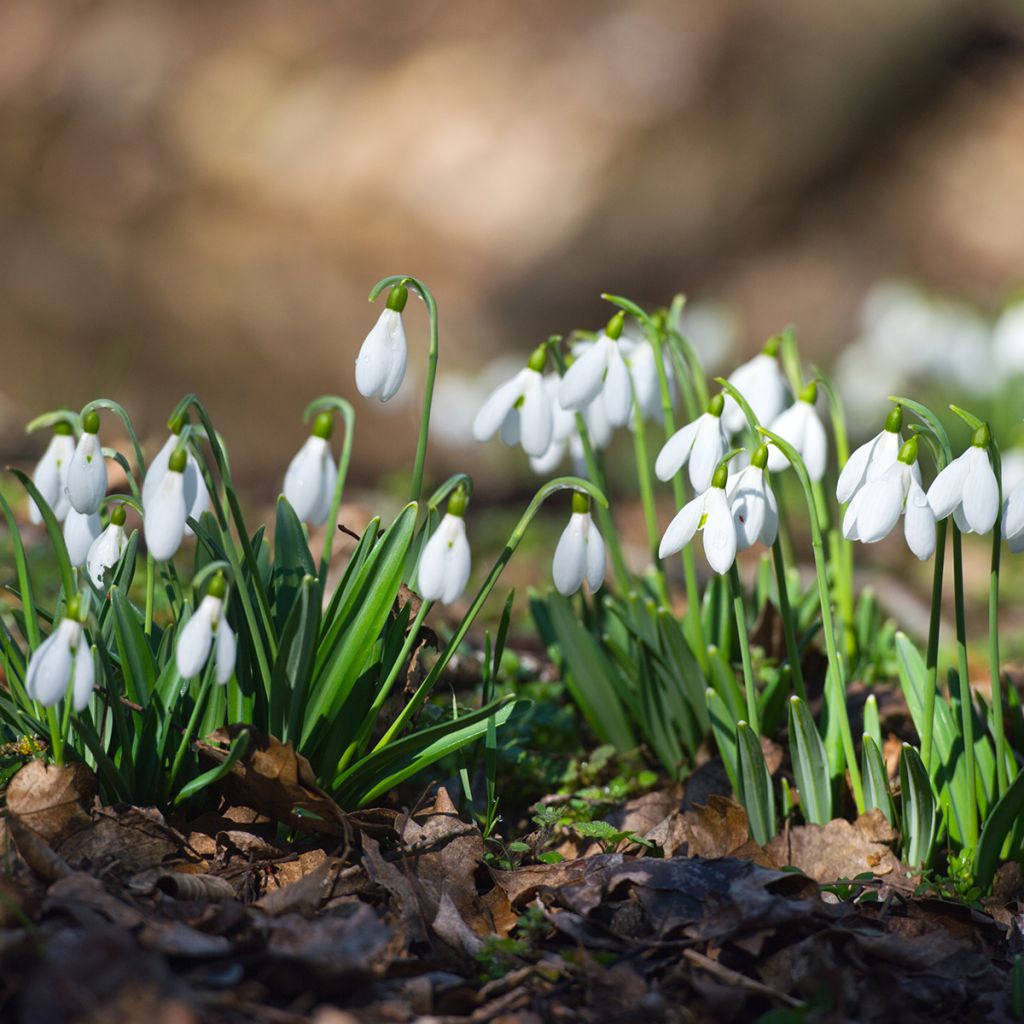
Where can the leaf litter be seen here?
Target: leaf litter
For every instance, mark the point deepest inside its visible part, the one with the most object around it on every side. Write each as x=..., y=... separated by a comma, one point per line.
x=114, y=913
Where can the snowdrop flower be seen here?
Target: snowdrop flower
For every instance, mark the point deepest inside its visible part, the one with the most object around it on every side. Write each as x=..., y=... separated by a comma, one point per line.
x=312, y=474
x=1008, y=339
x=878, y=505
x=445, y=562
x=752, y=502
x=565, y=436
x=207, y=625
x=710, y=513
x=164, y=521
x=800, y=426
x=871, y=459
x=51, y=473
x=80, y=530
x=1013, y=519
x=63, y=658
x=702, y=443
x=580, y=552
x=197, y=497
x=87, y=472
x=968, y=488
x=521, y=409
x=762, y=383
x=642, y=361
x=380, y=366
x=600, y=370
x=106, y=550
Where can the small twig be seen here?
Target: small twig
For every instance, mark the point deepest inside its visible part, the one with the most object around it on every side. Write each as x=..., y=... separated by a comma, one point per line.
x=731, y=977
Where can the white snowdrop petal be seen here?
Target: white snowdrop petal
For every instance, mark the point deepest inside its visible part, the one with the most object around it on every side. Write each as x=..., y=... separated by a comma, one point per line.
x=157, y=468
x=304, y=480
x=850, y=530
x=50, y=477
x=676, y=450
x=458, y=566
x=87, y=475
x=981, y=492
x=919, y=523
x=618, y=391
x=708, y=449
x=584, y=380
x=509, y=432
x=770, y=529
x=814, y=449
x=535, y=418
x=569, y=565
x=790, y=425
x=947, y=488
x=1013, y=513
x=682, y=528
x=80, y=530
x=547, y=463
x=50, y=671
x=328, y=484
x=38, y=665
x=196, y=638
x=854, y=474
x=961, y=520
x=749, y=507
x=719, y=532
x=595, y=568
x=880, y=508
x=397, y=353
x=197, y=496
x=225, y=652
x=84, y=676
x=105, y=552
x=164, y=522
x=497, y=406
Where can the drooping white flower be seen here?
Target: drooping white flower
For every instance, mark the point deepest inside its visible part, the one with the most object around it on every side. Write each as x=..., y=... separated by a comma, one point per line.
x=445, y=562
x=872, y=458
x=312, y=475
x=580, y=552
x=106, y=550
x=968, y=488
x=80, y=531
x=197, y=496
x=60, y=660
x=164, y=521
x=1008, y=339
x=752, y=501
x=642, y=362
x=565, y=436
x=521, y=409
x=709, y=513
x=207, y=625
x=702, y=443
x=801, y=427
x=877, y=506
x=51, y=473
x=1013, y=519
x=762, y=383
x=380, y=365
x=87, y=472
x=600, y=369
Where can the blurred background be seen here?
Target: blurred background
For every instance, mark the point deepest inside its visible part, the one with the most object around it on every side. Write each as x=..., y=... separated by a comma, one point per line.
x=198, y=196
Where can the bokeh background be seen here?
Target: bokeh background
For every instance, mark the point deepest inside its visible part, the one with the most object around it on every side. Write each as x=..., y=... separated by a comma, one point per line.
x=198, y=196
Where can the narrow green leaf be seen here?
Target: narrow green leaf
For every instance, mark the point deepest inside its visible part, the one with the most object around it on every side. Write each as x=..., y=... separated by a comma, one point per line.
x=810, y=765
x=1001, y=820
x=876, y=779
x=237, y=750
x=755, y=789
x=919, y=809
x=723, y=728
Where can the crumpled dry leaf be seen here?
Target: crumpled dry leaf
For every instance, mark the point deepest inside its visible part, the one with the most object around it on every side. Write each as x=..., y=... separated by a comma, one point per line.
x=52, y=801
x=840, y=849
x=129, y=840
x=274, y=780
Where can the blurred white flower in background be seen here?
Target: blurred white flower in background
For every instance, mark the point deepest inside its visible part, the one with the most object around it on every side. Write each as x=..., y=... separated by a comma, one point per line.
x=1008, y=339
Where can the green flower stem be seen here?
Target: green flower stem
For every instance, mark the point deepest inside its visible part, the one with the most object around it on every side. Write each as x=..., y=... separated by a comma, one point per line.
x=993, y=659
x=416, y=702
x=932, y=652
x=122, y=415
x=835, y=661
x=741, y=630
x=966, y=710
x=792, y=651
x=193, y=722
x=643, y=472
x=611, y=537
x=56, y=736
x=348, y=415
x=150, y=593
x=428, y=388
x=358, y=745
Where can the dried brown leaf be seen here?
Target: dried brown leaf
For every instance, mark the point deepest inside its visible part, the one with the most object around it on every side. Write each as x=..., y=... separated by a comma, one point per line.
x=52, y=801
